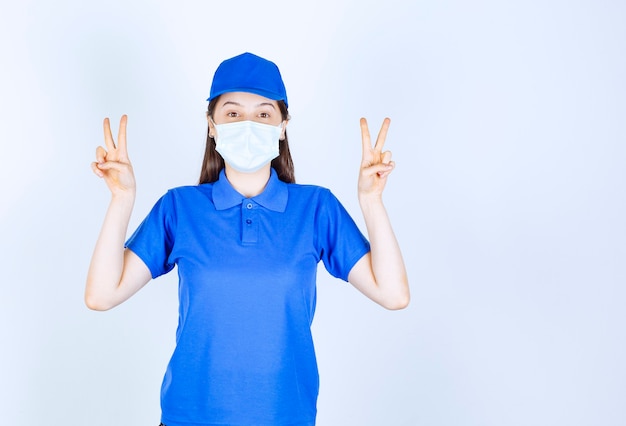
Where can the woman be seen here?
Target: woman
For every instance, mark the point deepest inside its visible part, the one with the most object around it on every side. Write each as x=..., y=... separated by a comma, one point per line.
x=246, y=241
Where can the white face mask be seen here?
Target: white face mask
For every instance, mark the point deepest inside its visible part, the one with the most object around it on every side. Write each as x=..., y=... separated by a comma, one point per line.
x=247, y=145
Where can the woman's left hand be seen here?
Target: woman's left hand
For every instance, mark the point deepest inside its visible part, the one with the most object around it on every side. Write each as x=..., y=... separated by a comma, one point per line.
x=376, y=165
x=380, y=274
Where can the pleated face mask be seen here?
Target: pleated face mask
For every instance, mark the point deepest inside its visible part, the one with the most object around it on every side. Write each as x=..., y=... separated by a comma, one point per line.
x=247, y=146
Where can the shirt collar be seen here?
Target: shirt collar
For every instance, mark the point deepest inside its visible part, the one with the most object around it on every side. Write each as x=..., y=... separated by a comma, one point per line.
x=274, y=196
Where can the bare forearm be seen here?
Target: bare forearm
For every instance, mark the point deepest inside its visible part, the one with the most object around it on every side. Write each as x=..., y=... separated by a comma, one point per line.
x=387, y=263
x=107, y=262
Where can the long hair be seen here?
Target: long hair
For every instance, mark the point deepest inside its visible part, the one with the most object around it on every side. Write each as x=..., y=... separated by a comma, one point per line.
x=213, y=162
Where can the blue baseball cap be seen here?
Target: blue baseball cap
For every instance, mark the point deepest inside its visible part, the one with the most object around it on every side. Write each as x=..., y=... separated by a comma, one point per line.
x=248, y=73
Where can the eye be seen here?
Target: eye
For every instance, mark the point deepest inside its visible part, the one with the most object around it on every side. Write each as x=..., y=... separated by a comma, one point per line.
x=264, y=115
x=232, y=114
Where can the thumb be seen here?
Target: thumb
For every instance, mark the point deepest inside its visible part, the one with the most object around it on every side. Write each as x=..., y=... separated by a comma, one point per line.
x=112, y=165
x=379, y=169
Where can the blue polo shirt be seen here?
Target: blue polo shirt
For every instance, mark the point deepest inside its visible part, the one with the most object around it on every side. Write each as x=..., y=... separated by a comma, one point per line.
x=247, y=269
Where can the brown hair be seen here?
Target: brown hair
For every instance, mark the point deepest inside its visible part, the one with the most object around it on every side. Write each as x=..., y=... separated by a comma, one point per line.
x=213, y=162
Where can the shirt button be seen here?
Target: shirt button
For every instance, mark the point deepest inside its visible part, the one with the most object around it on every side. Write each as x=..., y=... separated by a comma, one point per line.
x=249, y=206
x=248, y=221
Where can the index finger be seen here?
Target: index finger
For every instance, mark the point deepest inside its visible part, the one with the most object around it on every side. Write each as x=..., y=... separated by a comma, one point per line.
x=365, y=136
x=121, y=135
x=108, y=137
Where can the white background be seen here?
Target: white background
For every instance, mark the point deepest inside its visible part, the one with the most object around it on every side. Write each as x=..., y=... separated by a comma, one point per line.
x=508, y=128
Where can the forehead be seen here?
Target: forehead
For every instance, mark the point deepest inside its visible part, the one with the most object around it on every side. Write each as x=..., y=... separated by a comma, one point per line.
x=245, y=100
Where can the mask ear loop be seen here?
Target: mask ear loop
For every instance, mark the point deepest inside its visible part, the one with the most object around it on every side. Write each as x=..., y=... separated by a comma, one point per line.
x=283, y=127
x=214, y=125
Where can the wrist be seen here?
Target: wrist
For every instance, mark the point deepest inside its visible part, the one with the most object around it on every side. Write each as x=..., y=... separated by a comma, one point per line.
x=123, y=197
x=370, y=198
x=371, y=203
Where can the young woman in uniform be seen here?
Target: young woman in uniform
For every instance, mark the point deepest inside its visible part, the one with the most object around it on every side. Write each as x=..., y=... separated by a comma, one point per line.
x=246, y=240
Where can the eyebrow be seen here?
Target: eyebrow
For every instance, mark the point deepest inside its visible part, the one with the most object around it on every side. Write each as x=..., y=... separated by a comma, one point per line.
x=238, y=104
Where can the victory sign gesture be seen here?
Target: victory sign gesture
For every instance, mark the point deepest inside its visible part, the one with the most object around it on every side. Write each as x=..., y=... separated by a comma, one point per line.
x=381, y=274
x=112, y=163
x=376, y=164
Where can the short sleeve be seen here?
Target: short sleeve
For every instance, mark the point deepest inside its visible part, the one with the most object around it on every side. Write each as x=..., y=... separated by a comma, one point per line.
x=339, y=239
x=153, y=240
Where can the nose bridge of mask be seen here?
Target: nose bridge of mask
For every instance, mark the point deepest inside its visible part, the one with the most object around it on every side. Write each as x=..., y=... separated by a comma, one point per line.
x=248, y=127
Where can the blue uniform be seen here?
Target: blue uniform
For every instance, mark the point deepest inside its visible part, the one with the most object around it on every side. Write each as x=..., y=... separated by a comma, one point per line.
x=247, y=269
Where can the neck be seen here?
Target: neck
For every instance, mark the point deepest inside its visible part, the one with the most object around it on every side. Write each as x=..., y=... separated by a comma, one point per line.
x=248, y=184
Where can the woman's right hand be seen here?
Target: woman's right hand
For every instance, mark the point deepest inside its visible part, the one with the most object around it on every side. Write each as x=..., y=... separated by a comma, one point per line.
x=112, y=163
